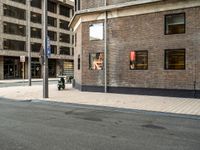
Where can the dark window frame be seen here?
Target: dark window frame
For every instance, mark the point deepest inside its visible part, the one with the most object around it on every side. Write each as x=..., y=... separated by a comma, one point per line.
x=36, y=4
x=136, y=57
x=37, y=33
x=64, y=50
x=14, y=29
x=64, y=11
x=79, y=62
x=64, y=38
x=14, y=45
x=165, y=58
x=77, y=5
x=51, y=21
x=52, y=7
x=37, y=19
x=165, y=23
x=14, y=12
x=20, y=1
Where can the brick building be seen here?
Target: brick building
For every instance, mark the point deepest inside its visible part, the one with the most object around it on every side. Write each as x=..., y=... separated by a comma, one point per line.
x=137, y=46
x=13, y=37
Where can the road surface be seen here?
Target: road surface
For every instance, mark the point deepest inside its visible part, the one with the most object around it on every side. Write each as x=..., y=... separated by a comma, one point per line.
x=37, y=125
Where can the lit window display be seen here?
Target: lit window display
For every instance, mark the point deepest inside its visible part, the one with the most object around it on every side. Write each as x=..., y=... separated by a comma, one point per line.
x=96, y=61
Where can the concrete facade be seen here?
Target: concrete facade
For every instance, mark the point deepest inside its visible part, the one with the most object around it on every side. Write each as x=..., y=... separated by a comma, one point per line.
x=140, y=27
x=57, y=57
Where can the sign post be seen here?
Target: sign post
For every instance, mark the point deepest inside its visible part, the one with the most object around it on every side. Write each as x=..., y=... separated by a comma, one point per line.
x=45, y=64
x=22, y=60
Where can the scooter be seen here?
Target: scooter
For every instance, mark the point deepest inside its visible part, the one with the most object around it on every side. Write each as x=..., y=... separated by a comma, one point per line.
x=61, y=83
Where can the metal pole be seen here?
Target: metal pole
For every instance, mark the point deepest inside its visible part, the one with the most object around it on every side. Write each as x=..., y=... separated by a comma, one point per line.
x=45, y=64
x=28, y=42
x=105, y=50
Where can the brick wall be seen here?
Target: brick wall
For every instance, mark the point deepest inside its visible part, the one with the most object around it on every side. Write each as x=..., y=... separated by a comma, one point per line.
x=91, y=4
x=78, y=51
x=111, y=2
x=144, y=32
x=98, y=3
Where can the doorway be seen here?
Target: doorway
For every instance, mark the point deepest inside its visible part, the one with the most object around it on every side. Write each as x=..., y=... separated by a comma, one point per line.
x=12, y=68
x=35, y=68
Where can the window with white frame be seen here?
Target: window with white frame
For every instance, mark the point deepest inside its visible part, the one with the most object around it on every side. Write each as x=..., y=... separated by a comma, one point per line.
x=96, y=31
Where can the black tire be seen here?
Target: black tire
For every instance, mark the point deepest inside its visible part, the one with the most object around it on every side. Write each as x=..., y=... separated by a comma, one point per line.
x=58, y=88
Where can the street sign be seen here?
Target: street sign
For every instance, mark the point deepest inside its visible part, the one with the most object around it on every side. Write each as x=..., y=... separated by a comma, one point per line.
x=22, y=58
x=48, y=47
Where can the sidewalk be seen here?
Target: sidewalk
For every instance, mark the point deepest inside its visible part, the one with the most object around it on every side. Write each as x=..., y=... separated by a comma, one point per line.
x=140, y=102
x=25, y=80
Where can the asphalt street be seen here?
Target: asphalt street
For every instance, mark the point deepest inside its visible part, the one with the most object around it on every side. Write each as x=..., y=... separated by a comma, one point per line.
x=37, y=125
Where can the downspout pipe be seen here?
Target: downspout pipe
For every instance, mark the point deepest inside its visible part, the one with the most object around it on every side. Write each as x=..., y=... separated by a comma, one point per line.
x=105, y=50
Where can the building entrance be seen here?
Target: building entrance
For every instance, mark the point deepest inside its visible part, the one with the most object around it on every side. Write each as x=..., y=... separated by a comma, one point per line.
x=12, y=68
x=35, y=69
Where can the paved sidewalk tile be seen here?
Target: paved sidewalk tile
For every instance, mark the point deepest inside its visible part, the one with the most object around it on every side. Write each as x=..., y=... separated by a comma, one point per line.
x=69, y=95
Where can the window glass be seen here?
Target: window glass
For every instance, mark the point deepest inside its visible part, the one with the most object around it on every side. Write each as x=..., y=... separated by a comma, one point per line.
x=96, y=31
x=52, y=7
x=36, y=32
x=52, y=35
x=35, y=47
x=64, y=50
x=52, y=21
x=11, y=28
x=96, y=61
x=14, y=12
x=35, y=17
x=64, y=38
x=53, y=49
x=79, y=62
x=65, y=11
x=175, y=24
x=14, y=45
x=175, y=59
x=20, y=1
x=36, y=3
x=139, y=60
x=77, y=5
x=64, y=24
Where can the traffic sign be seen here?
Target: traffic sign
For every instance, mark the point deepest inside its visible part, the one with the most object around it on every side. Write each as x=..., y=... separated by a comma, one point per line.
x=48, y=47
x=22, y=58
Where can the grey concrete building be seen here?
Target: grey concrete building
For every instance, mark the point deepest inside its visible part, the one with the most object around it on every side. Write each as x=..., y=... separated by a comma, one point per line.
x=138, y=46
x=13, y=37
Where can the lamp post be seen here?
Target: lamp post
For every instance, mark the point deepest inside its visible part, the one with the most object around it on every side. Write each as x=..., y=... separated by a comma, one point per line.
x=45, y=63
x=28, y=42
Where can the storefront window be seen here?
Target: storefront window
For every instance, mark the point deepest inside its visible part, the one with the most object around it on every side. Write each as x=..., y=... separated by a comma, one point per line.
x=96, y=31
x=175, y=59
x=96, y=61
x=138, y=60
